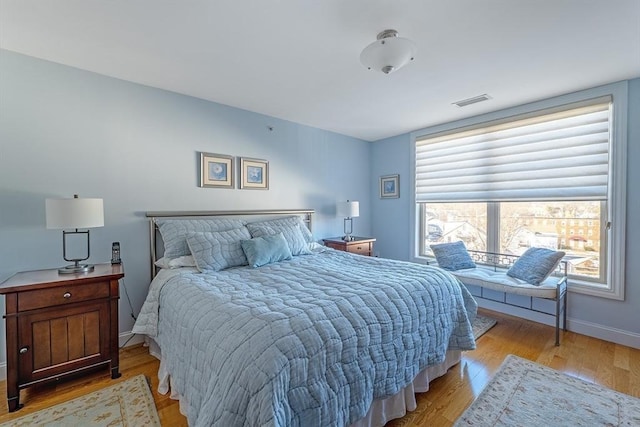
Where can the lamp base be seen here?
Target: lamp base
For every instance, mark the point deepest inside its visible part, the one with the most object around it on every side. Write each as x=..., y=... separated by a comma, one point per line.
x=348, y=238
x=71, y=269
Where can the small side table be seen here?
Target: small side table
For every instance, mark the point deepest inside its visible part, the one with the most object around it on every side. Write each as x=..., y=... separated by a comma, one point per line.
x=359, y=245
x=60, y=324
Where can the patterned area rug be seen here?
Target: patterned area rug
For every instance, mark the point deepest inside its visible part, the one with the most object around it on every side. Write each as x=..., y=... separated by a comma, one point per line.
x=126, y=404
x=482, y=324
x=524, y=393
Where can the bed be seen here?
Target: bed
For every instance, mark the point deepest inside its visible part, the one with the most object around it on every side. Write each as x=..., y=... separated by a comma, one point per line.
x=322, y=337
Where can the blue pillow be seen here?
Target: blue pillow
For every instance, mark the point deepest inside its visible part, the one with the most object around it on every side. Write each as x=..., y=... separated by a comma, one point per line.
x=287, y=221
x=535, y=265
x=218, y=250
x=265, y=250
x=452, y=256
x=291, y=233
x=174, y=232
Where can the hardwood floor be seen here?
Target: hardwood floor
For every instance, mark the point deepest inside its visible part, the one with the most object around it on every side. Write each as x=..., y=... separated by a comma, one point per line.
x=594, y=360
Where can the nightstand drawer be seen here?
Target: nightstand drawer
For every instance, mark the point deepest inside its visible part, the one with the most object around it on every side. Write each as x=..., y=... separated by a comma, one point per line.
x=362, y=249
x=30, y=300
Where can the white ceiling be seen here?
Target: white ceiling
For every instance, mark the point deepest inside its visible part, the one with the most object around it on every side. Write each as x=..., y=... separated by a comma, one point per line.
x=299, y=59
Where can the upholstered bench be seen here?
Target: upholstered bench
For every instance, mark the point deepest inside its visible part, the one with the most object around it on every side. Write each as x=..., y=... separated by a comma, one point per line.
x=491, y=273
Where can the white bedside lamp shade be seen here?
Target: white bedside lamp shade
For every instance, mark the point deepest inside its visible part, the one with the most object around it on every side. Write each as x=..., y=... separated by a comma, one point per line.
x=74, y=214
x=349, y=209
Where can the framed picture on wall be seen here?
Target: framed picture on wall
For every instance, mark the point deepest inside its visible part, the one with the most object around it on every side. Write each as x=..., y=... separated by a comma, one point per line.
x=216, y=170
x=390, y=186
x=254, y=174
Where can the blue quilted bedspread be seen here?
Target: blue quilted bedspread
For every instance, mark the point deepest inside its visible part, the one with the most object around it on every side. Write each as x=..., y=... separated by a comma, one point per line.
x=306, y=342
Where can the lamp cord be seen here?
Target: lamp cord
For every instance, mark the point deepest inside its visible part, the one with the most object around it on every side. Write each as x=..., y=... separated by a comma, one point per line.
x=124, y=286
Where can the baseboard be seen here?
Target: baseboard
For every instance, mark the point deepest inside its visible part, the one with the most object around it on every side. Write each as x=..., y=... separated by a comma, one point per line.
x=618, y=336
x=133, y=339
x=127, y=339
x=595, y=330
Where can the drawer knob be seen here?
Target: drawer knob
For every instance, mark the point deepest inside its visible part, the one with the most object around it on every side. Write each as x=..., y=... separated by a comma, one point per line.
x=23, y=350
x=67, y=295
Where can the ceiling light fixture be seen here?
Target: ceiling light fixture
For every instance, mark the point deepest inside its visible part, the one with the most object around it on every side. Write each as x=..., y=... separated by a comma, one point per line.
x=388, y=53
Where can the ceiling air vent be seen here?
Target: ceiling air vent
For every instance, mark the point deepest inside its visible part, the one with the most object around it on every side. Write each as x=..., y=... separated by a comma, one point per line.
x=475, y=99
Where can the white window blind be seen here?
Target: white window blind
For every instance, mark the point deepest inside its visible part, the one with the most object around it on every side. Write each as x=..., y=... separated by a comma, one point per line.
x=557, y=154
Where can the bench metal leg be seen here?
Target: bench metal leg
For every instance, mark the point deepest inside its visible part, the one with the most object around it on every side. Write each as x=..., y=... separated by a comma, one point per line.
x=558, y=320
x=564, y=320
x=561, y=303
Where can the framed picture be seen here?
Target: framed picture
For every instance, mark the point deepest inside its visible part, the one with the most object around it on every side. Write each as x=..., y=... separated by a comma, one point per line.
x=216, y=170
x=390, y=187
x=254, y=174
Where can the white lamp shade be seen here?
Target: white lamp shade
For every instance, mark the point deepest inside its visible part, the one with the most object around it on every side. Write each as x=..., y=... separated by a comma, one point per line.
x=348, y=209
x=74, y=213
x=388, y=54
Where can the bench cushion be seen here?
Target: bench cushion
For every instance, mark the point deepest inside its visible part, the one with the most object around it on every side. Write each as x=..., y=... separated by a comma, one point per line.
x=499, y=281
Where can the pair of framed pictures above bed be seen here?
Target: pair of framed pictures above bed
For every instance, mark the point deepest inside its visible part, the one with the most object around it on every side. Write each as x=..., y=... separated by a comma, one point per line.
x=217, y=171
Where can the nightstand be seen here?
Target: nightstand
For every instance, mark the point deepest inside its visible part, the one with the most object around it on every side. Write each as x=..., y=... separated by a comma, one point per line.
x=60, y=324
x=359, y=245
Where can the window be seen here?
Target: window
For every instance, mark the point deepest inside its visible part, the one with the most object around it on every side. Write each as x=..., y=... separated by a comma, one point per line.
x=515, y=182
x=450, y=222
x=510, y=224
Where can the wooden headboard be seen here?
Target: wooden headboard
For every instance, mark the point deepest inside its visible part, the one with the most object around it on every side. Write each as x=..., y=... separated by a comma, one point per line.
x=248, y=215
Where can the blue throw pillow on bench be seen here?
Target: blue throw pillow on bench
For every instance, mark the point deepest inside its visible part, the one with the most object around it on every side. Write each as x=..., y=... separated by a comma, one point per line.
x=452, y=256
x=535, y=265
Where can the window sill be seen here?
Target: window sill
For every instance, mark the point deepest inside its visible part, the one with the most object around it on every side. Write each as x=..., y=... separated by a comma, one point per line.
x=594, y=289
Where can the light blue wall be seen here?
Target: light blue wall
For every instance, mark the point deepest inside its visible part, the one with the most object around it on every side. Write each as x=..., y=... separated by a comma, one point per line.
x=391, y=217
x=66, y=131
x=391, y=223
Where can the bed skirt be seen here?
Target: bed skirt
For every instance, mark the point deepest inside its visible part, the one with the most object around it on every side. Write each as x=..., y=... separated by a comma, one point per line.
x=381, y=410
x=396, y=406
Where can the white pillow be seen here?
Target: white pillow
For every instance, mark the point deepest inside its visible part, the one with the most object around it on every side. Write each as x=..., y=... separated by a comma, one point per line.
x=181, y=261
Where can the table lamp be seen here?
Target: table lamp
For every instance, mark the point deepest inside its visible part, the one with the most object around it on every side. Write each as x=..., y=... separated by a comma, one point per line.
x=74, y=214
x=349, y=210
